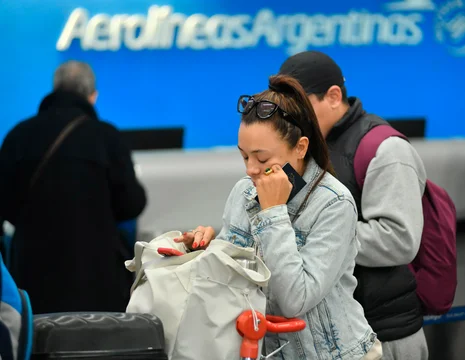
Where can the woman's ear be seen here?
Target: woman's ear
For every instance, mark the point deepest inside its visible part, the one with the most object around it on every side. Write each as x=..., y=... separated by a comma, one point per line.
x=302, y=147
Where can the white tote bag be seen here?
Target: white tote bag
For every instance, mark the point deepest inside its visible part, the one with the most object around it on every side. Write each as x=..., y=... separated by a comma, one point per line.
x=197, y=296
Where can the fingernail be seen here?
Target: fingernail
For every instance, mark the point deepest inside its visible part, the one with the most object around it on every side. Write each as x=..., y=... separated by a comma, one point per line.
x=194, y=245
x=185, y=233
x=202, y=243
x=176, y=239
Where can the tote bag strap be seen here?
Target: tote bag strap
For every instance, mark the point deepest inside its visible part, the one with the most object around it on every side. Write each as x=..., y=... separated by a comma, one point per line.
x=160, y=262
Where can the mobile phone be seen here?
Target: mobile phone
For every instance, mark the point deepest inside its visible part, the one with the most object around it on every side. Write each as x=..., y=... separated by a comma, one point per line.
x=298, y=183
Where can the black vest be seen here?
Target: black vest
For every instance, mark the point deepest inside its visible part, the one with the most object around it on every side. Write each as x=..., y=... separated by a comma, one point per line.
x=387, y=294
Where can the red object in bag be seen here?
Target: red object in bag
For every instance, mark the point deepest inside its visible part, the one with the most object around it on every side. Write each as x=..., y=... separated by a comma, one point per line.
x=169, y=252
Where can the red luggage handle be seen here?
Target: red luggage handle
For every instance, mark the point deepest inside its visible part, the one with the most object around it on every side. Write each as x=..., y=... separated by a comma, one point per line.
x=245, y=326
x=279, y=324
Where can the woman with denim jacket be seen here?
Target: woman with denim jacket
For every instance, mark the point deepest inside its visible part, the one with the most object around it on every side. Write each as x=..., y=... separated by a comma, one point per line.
x=308, y=242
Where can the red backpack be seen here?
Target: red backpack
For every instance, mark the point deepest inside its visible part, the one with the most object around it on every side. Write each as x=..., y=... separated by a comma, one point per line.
x=435, y=266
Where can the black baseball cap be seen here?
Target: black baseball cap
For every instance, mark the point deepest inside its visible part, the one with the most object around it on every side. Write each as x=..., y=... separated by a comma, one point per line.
x=315, y=71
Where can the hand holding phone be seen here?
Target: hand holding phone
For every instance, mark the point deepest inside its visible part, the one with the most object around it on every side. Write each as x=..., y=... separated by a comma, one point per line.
x=271, y=189
x=295, y=179
x=277, y=188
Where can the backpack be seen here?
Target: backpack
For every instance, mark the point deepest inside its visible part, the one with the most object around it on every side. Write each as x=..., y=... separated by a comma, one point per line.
x=15, y=319
x=435, y=265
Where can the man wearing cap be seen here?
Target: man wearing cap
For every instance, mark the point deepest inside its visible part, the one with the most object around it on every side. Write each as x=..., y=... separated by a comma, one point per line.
x=390, y=206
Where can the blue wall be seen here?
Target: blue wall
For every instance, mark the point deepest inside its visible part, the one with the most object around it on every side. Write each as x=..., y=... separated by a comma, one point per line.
x=404, y=59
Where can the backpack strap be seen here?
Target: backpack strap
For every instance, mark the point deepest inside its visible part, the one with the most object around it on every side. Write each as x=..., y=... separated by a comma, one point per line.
x=367, y=148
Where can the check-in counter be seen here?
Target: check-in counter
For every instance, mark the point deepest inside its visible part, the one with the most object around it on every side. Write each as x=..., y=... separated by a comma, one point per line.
x=189, y=188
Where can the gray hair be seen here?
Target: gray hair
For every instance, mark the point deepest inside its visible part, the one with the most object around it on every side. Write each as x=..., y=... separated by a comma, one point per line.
x=75, y=76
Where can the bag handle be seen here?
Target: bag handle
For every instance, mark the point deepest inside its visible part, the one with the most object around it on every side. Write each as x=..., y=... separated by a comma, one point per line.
x=161, y=262
x=68, y=129
x=259, y=277
x=229, y=252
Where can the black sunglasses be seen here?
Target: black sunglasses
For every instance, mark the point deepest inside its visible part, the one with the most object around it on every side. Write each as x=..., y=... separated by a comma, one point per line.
x=263, y=108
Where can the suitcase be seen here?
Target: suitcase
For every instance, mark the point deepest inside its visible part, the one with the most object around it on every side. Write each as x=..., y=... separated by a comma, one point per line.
x=99, y=336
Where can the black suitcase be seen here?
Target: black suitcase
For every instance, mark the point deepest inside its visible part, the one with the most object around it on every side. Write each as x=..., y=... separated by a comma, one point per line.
x=99, y=336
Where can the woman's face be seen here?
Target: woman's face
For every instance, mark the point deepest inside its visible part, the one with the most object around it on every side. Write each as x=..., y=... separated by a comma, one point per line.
x=261, y=146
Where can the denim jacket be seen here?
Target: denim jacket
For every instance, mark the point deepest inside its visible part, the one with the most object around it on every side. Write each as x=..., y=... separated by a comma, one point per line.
x=311, y=261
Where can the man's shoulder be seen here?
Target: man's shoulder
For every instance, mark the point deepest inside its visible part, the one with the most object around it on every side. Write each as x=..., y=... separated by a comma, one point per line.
x=20, y=127
x=395, y=151
x=110, y=131
x=109, y=127
x=398, y=149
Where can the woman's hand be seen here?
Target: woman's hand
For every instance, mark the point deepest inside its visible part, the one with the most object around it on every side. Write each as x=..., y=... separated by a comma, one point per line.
x=198, y=238
x=273, y=189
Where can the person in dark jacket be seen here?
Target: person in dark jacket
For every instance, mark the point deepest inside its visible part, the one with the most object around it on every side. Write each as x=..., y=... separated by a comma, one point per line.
x=67, y=252
x=390, y=209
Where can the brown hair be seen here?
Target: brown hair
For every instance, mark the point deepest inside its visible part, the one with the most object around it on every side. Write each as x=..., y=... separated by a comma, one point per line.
x=288, y=94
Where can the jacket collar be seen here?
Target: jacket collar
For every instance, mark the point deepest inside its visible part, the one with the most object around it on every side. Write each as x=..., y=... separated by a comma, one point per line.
x=354, y=113
x=67, y=99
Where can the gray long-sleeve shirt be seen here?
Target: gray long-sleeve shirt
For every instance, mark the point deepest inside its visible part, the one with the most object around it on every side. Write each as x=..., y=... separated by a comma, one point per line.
x=391, y=205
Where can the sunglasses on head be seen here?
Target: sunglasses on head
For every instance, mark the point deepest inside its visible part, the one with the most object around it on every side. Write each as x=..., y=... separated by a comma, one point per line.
x=264, y=109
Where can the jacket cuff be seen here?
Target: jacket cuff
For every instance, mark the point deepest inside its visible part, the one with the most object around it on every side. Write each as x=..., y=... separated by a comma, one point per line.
x=266, y=218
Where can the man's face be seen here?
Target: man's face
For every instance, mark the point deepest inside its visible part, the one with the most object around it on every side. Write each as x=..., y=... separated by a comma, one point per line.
x=330, y=109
